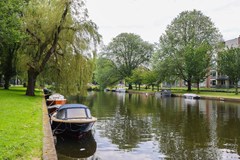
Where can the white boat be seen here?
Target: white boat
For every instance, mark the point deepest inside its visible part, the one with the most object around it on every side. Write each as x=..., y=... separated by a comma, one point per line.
x=56, y=98
x=121, y=90
x=191, y=96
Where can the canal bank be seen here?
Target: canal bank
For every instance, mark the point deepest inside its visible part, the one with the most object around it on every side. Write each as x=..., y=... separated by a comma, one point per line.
x=206, y=97
x=49, y=151
x=213, y=98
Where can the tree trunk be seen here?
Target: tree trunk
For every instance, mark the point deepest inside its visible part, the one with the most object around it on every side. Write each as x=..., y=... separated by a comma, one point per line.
x=9, y=69
x=152, y=87
x=129, y=86
x=198, y=87
x=7, y=80
x=139, y=86
x=158, y=87
x=236, y=88
x=32, y=77
x=189, y=83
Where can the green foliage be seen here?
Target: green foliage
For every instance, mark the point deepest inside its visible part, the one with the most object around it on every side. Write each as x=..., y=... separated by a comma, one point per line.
x=125, y=53
x=58, y=29
x=21, y=125
x=229, y=64
x=106, y=73
x=186, y=49
x=75, y=71
x=128, y=51
x=10, y=21
x=150, y=77
x=10, y=37
x=137, y=76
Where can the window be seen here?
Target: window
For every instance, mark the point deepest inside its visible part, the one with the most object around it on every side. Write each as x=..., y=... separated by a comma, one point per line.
x=213, y=82
x=76, y=113
x=61, y=114
x=213, y=73
x=89, y=113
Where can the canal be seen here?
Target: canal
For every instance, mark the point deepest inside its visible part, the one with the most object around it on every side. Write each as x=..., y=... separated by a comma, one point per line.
x=137, y=126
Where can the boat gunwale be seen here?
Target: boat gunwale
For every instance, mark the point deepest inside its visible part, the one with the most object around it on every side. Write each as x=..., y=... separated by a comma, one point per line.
x=74, y=120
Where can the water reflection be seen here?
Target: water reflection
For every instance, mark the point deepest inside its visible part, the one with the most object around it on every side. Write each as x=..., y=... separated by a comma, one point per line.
x=82, y=147
x=145, y=127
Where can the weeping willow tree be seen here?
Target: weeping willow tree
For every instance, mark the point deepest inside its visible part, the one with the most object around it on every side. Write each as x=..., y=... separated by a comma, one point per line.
x=74, y=71
x=58, y=31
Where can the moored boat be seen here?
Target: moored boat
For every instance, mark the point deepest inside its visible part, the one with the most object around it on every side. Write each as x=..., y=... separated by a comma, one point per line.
x=55, y=99
x=122, y=90
x=191, y=96
x=72, y=118
x=164, y=93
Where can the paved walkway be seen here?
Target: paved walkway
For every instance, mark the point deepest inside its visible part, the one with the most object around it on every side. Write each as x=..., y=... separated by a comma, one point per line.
x=49, y=151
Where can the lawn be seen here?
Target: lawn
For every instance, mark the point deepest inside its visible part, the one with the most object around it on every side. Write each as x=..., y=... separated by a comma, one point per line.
x=20, y=125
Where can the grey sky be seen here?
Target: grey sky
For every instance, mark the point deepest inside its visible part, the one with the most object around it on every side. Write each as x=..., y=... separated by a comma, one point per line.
x=149, y=18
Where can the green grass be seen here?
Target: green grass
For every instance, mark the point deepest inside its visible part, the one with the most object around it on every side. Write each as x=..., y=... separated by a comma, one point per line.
x=20, y=125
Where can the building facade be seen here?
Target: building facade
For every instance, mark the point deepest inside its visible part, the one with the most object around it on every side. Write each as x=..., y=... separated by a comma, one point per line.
x=222, y=81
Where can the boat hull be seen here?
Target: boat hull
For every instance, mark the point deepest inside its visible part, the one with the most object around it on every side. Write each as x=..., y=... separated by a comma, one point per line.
x=70, y=128
x=53, y=108
x=191, y=96
x=61, y=126
x=56, y=102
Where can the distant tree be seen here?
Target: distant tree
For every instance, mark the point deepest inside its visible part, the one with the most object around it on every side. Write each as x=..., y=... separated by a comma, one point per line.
x=128, y=51
x=55, y=28
x=137, y=76
x=229, y=64
x=151, y=78
x=190, y=35
x=197, y=62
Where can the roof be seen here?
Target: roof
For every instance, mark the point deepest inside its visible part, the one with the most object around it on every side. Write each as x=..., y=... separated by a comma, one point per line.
x=66, y=106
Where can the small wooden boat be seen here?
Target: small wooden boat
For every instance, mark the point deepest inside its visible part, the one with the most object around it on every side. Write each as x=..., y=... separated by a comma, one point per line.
x=72, y=118
x=56, y=98
x=191, y=96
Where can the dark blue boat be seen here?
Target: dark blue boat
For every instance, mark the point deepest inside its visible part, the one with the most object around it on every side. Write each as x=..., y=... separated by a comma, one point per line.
x=72, y=118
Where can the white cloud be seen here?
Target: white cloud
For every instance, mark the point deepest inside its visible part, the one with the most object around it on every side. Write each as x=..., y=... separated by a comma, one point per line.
x=150, y=18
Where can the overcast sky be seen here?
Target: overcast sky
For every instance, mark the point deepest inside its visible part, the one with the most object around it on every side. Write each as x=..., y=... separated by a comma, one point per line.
x=149, y=18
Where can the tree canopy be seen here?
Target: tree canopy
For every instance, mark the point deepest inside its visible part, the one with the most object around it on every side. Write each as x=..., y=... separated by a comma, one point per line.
x=106, y=73
x=128, y=51
x=55, y=28
x=11, y=36
x=187, y=46
x=229, y=64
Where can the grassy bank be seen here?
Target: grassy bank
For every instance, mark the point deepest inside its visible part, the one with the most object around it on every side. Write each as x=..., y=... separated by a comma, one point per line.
x=207, y=92
x=20, y=125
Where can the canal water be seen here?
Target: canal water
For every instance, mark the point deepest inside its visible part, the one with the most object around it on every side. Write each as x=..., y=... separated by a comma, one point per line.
x=145, y=127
